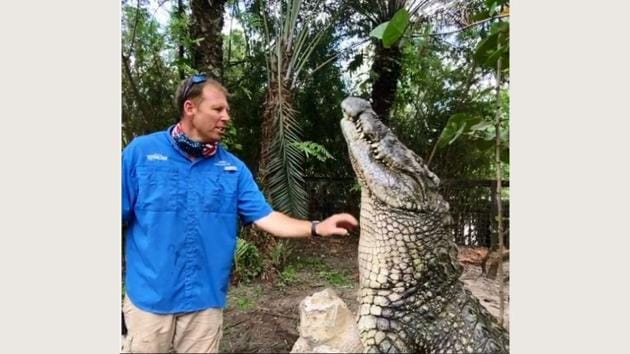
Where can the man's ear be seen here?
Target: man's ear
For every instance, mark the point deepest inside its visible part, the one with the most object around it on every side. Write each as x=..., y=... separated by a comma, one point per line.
x=189, y=107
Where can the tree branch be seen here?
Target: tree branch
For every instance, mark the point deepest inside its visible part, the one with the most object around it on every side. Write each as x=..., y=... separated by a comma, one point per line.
x=146, y=112
x=133, y=32
x=465, y=27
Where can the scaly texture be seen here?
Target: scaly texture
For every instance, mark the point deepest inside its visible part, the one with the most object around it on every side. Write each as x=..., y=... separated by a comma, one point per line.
x=411, y=297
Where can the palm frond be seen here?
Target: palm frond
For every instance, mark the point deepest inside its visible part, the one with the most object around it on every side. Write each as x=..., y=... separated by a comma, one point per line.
x=282, y=170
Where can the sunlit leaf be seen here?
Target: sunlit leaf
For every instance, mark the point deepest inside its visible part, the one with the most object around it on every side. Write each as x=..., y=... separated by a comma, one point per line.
x=378, y=31
x=455, y=127
x=396, y=27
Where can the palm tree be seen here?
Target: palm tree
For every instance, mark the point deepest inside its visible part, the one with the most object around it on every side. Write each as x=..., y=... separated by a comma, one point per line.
x=386, y=67
x=290, y=46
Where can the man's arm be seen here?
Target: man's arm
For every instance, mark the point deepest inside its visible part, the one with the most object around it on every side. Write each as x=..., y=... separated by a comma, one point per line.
x=282, y=225
x=129, y=186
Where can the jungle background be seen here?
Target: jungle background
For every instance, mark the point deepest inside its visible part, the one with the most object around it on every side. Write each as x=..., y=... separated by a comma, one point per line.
x=436, y=72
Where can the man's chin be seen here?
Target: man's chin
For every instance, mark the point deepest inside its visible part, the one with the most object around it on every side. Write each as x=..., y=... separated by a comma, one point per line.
x=212, y=140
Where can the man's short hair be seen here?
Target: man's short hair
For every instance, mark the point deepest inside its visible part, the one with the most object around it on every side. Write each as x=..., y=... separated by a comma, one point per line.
x=191, y=88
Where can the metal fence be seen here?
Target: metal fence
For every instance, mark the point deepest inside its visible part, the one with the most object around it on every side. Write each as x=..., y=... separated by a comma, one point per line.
x=474, y=211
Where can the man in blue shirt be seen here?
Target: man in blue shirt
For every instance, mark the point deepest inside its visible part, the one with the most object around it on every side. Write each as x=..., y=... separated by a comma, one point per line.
x=182, y=197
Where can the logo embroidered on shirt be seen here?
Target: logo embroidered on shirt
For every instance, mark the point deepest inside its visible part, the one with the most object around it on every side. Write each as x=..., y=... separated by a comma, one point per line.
x=226, y=166
x=157, y=156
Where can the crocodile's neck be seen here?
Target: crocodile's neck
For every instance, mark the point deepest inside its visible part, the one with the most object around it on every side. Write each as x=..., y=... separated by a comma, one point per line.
x=410, y=287
x=399, y=250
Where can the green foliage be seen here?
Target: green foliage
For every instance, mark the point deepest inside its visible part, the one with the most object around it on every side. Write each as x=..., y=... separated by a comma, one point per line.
x=247, y=260
x=288, y=276
x=284, y=172
x=244, y=304
x=292, y=40
x=481, y=132
x=231, y=139
x=148, y=78
x=316, y=150
x=280, y=253
x=457, y=124
x=244, y=297
x=246, y=81
x=379, y=30
x=494, y=46
x=432, y=89
x=391, y=31
x=310, y=263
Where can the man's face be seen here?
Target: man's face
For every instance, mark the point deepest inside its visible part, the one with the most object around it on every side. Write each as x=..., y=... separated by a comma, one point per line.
x=209, y=115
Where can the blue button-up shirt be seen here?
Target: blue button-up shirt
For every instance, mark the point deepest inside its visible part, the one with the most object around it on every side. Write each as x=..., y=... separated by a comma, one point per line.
x=182, y=223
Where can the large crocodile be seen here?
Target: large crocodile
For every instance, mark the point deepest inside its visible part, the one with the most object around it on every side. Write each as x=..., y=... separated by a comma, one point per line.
x=411, y=298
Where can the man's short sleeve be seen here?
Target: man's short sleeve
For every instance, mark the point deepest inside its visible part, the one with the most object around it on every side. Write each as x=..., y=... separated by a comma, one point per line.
x=252, y=204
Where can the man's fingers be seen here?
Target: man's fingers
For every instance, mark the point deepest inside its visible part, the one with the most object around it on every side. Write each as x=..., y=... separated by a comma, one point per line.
x=346, y=220
x=342, y=232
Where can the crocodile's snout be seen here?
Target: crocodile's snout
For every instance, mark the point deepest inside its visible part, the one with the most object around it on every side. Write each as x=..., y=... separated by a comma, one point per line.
x=352, y=107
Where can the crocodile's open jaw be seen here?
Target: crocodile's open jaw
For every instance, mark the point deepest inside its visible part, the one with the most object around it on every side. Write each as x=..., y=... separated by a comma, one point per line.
x=382, y=163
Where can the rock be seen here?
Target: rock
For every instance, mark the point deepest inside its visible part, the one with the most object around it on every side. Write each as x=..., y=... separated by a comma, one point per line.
x=326, y=326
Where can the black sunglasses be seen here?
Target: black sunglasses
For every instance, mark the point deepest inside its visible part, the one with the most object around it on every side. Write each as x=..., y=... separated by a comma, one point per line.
x=193, y=80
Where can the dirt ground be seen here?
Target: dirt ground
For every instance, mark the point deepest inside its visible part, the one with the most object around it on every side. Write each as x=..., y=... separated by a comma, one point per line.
x=263, y=317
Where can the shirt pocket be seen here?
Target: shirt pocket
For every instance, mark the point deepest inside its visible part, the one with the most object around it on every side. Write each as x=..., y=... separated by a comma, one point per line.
x=220, y=192
x=157, y=188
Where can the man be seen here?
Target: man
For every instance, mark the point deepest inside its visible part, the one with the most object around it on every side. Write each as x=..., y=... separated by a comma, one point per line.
x=182, y=195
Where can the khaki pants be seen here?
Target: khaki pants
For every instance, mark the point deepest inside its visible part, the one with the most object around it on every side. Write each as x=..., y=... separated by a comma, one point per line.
x=193, y=332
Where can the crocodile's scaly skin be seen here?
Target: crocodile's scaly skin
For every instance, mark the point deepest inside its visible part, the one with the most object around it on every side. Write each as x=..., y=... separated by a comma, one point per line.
x=411, y=297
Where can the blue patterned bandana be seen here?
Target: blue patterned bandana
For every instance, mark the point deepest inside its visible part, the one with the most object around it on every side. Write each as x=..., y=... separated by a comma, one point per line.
x=191, y=147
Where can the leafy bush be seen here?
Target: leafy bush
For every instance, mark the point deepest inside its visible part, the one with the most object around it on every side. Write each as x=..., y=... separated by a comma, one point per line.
x=288, y=275
x=280, y=253
x=247, y=261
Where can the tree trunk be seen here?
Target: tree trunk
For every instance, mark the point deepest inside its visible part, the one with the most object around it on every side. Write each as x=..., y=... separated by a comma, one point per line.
x=498, y=188
x=180, y=47
x=386, y=70
x=268, y=131
x=205, y=29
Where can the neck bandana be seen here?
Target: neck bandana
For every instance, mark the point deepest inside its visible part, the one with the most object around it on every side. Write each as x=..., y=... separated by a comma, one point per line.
x=192, y=147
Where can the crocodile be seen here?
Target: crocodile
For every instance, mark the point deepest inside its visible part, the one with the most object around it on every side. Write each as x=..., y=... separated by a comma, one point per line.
x=411, y=296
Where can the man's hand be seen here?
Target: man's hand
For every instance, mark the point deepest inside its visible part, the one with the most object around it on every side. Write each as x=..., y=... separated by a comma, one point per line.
x=337, y=224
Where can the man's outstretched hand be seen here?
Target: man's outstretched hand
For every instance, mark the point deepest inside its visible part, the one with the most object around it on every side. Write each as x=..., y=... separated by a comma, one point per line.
x=337, y=225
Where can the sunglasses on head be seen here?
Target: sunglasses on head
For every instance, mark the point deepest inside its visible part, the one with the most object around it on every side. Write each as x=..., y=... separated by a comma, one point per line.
x=193, y=80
